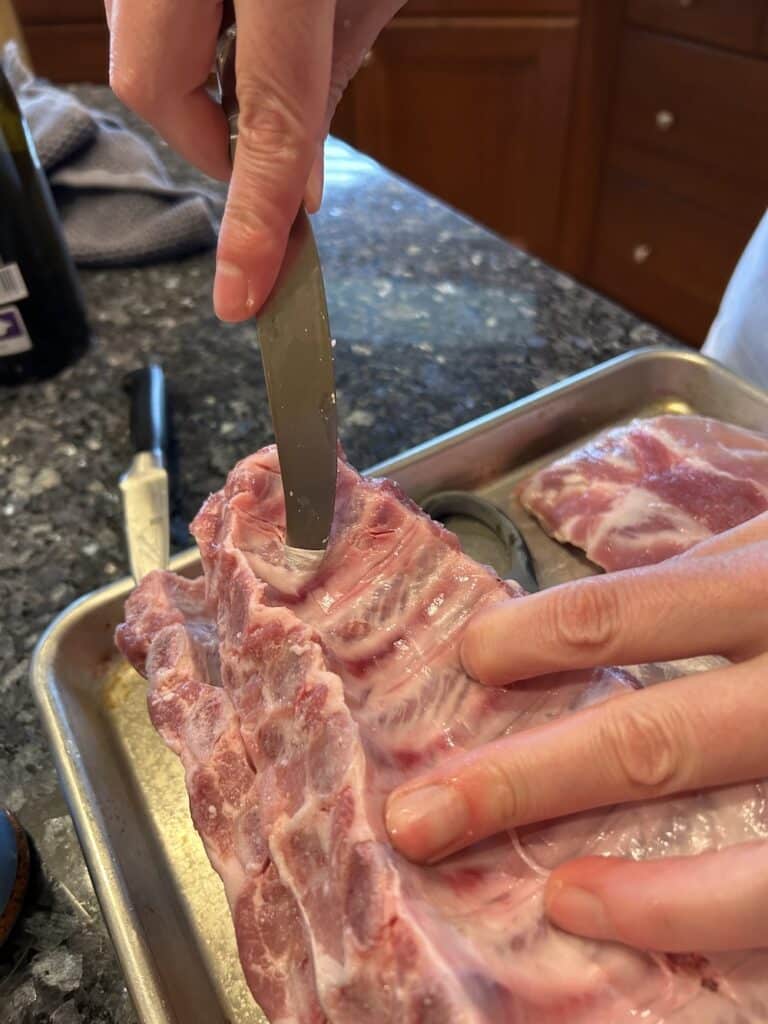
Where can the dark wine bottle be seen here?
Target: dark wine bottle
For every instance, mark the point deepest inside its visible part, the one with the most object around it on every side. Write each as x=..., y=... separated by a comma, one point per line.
x=43, y=326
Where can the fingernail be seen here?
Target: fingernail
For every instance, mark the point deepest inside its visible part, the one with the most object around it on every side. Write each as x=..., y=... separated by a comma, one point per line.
x=231, y=295
x=425, y=823
x=577, y=910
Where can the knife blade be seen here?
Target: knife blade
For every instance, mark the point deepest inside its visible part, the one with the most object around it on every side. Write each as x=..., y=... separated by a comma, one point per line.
x=144, y=486
x=297, y=355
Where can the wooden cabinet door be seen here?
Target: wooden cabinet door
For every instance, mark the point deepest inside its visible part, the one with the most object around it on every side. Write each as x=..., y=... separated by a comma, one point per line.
x=54, y=12
x=696, y=104
x=475, y=111
x=76, y=52
x=666, y=257
x=67, y=41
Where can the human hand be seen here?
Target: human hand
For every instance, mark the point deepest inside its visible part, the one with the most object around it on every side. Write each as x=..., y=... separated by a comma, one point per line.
x=293, y=62
x=683, y=735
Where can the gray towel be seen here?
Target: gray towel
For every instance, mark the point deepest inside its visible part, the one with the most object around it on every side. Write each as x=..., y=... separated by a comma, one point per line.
x=117, y=203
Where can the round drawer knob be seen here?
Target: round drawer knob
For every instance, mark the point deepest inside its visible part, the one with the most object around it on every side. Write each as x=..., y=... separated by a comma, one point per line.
x=665, y=120
x=367, y=59
x=641, y=252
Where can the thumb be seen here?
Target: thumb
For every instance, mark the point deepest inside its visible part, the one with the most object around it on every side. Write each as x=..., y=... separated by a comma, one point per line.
x=282, y=67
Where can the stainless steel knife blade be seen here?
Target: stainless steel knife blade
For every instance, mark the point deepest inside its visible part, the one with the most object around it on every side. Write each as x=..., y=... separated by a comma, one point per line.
x=297, y=353
x=144, y=487
x=145, y=512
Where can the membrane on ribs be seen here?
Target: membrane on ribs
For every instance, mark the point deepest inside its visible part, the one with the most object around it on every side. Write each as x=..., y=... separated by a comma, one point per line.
x=638, y=494
x=297, y=701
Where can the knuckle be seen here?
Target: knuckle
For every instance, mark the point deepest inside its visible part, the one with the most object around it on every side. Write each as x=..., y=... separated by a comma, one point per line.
x=269, y=123
x=509, y=801
x=252, y=225
x=131, y=90
x=647, y=747
x=585, y=616
x=476, y=653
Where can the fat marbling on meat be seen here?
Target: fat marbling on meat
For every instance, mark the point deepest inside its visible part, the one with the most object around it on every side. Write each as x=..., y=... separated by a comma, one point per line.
x=297, y=701
x=641, y=493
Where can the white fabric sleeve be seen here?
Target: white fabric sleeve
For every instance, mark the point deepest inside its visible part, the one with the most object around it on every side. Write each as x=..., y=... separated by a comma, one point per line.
x=738, y=337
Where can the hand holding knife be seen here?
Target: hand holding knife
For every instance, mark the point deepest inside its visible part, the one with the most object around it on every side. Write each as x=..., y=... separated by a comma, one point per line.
x=297, y=354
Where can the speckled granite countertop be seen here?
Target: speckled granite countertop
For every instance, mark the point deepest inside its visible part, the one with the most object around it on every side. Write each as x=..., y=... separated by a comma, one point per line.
x=437, y=321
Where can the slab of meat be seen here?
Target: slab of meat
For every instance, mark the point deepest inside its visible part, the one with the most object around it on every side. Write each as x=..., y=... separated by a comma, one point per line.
x=642, y=493
x=298, y=701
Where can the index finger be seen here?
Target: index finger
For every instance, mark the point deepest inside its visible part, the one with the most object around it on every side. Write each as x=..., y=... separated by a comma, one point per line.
x=686, y=607
x=692, y=733
x=283, y=69
x=160, y=58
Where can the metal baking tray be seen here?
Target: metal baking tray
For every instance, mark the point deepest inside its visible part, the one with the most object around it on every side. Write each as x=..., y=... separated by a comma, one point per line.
x=163, y=903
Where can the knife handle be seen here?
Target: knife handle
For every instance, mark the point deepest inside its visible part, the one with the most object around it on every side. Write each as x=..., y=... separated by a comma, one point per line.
x=149, y=411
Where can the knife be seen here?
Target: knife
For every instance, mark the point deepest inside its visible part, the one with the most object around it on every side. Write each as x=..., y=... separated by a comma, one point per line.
x=297, y=354
x=145, y=486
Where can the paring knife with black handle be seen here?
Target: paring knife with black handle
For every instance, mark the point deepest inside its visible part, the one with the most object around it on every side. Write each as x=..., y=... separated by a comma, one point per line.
x=297, y=353
x=145, y=486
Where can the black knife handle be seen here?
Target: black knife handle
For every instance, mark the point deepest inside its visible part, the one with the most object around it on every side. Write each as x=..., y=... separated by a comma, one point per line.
x=149, y=410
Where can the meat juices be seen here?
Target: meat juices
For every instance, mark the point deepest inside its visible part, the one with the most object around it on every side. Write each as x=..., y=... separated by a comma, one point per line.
x=297, y=702
x=642, y=493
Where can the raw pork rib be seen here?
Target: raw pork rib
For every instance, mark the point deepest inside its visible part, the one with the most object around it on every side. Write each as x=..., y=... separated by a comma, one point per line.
x=296, y=703
x=642, y=493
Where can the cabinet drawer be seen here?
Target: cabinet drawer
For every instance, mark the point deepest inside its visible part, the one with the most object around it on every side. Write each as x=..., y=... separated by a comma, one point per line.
x=69, y=53
x=666, y=258
x=729, y=23
x=700, y=105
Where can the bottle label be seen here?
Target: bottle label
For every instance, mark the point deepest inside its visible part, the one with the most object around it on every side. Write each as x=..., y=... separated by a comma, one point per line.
x=12, y=286
x=13, y=332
